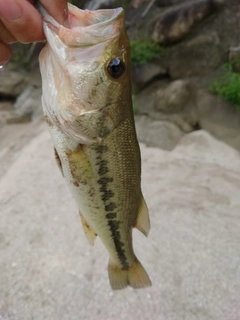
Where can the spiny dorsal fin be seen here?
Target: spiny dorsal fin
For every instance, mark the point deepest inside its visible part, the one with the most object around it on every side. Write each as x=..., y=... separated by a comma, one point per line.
x=143, y=222
x=89, y=232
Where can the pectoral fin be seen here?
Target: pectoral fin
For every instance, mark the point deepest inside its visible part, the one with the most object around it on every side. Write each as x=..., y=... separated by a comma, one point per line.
x=89, y=232
x=143, y=222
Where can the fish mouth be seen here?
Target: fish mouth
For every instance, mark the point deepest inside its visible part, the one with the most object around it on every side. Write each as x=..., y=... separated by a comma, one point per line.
x=87, y=18
x=86, y=27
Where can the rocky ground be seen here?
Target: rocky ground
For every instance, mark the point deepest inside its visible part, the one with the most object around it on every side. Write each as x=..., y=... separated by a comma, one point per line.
x=48, y=270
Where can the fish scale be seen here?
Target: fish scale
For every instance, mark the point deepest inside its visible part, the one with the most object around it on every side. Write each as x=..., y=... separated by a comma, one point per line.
x=88, y=109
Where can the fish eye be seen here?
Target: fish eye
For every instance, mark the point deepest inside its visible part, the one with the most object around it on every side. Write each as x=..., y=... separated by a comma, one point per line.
x=116, y=68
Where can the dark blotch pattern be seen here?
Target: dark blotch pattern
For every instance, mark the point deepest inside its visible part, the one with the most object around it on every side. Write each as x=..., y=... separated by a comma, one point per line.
x=108, y=194
x=105, y=181
x=114, y=227
x=100, y=149
x=102, y=164
x=103, y=169
x=110, y=207
x=111, y=215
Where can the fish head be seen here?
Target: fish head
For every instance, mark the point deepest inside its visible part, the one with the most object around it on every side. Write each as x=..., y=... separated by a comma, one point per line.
x=87, y=72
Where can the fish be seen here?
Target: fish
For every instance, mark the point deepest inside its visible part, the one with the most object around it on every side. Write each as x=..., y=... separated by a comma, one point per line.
x=87, y=105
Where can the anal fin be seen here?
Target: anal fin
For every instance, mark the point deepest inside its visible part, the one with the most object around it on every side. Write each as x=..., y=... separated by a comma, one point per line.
x=143, y=222
x=89, y=232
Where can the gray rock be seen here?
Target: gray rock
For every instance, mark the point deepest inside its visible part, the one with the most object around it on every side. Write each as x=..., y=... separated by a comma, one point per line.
x=185, y=118
x=195, y=57
x=190, y=108
x=29, y=101
x=176, y=23
x=6, y=105
x=205, y=47
x=13, y=119
x=27, y=105
x=156, y=133
x=173, y=98
x=5, y=112
x=12, y=83
x=145, y=99
x=143, y=74
x=218, y=117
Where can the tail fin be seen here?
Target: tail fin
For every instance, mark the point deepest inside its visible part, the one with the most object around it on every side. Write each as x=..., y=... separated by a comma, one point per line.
x=135, y=277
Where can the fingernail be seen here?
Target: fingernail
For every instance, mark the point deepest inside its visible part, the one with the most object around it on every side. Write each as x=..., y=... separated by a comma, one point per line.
x=10, y=10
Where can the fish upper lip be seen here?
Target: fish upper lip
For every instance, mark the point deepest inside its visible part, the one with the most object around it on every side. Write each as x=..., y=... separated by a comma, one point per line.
x=112, y=13
x=86, y=27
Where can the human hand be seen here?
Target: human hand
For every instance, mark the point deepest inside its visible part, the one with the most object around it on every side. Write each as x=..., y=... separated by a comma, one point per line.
x=20, y=21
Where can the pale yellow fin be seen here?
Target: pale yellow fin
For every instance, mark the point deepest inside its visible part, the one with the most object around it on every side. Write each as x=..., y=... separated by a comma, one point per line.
x=143, y=222
x=89, y=232
x=135, y=277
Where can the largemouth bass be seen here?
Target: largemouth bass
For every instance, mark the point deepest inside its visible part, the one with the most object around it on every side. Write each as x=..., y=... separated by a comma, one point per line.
x=87, y=103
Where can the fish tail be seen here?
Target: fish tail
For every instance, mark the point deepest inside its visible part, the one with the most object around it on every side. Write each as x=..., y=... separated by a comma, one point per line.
x=135, y=277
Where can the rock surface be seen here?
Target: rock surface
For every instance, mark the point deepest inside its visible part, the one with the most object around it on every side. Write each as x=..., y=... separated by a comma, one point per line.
x=144, y=74
x=12, y=83
x=49, y=272
x=190, y=108
x=203, y=31
x=195, y=57
x=178, y=21
x=29, y=102
x=174, y=98
x=158, y=133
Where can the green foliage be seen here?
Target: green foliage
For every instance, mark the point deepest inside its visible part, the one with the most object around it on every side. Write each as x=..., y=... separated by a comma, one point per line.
x=144, y=51
x=228, y=86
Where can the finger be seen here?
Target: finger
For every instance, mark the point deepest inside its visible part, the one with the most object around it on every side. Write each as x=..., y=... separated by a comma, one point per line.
x=5, y=35
x=58, y=9
x=5, y=53
x=22, y=20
